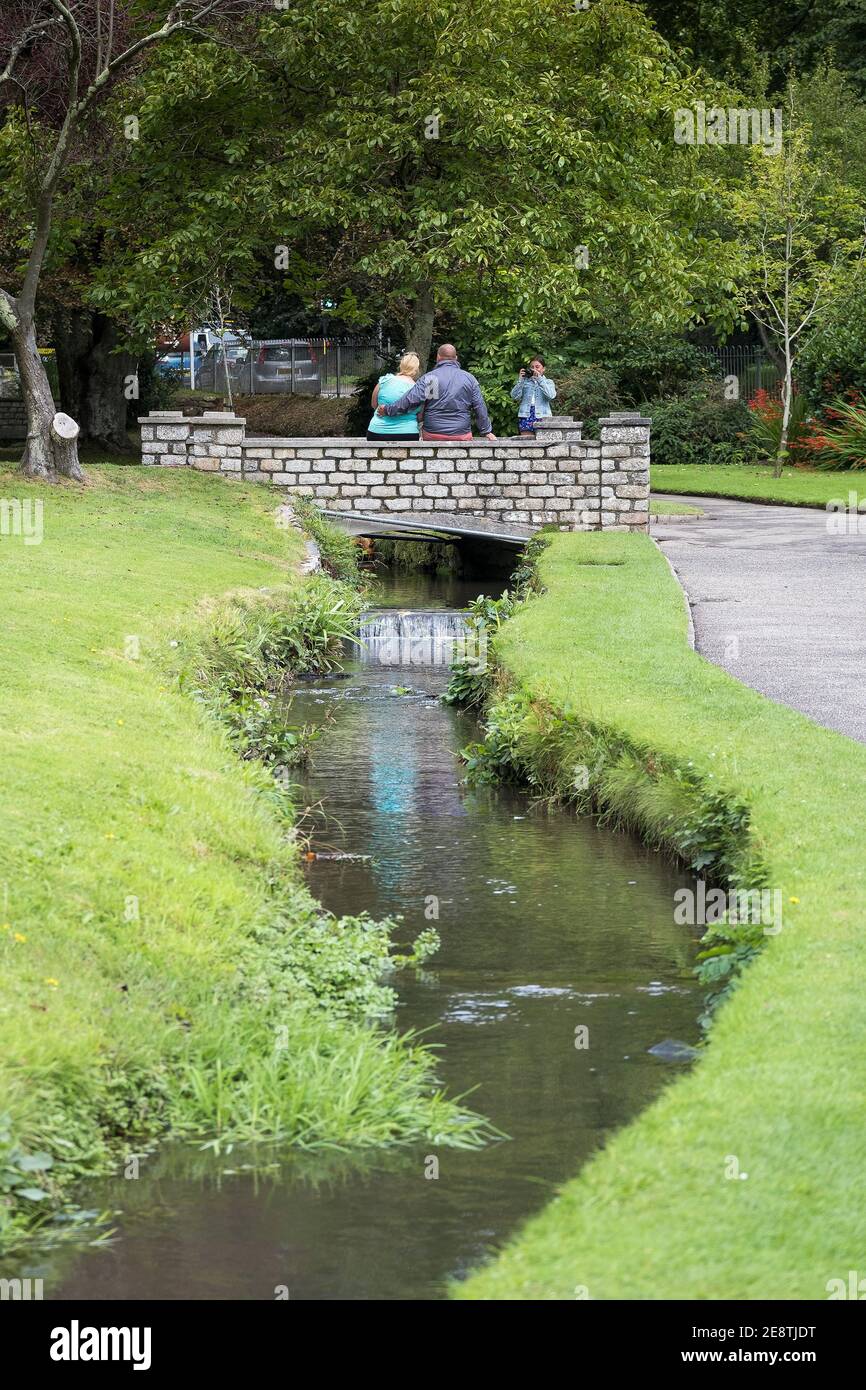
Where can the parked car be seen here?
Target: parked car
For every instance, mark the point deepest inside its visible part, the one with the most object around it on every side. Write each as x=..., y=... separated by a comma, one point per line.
x=210, y=372
x=286, y=365
x=262, y=368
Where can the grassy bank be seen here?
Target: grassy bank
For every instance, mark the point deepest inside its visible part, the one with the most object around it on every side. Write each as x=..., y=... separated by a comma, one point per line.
x=797, y=487
x=656, y=1215
x=162, y=962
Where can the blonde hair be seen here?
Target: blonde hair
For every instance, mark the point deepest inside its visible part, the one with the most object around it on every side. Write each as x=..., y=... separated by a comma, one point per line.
x=410, y=364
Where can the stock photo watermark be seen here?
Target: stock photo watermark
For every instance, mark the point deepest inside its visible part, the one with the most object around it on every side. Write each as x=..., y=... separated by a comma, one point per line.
x=702, y=906
x=22, y=518
x=853, y=1288
x=846, y=518
x=21, y=1290
x=77, y=1343
x=729, y=125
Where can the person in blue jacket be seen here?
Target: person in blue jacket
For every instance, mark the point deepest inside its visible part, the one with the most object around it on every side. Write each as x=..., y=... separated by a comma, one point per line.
x=534, y=391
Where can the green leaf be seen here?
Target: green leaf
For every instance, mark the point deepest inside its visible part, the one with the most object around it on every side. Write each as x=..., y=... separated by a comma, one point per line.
x=35, y=1163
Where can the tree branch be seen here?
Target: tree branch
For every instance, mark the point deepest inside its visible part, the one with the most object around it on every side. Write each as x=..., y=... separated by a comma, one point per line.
x=8, y=311
x=174, y=23
x=27, y=298
x=20, y=44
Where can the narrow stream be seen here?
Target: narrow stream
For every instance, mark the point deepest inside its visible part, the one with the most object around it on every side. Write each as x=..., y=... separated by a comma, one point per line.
x=547, y=923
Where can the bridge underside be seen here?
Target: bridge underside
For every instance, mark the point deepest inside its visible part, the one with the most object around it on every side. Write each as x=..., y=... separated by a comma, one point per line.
x=433, y=526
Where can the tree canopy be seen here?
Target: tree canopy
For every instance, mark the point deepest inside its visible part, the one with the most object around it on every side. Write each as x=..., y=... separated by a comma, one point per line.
x=517, y=164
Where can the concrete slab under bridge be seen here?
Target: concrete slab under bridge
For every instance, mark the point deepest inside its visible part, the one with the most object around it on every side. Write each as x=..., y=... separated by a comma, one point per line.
x=435, y=526
x=486, y=548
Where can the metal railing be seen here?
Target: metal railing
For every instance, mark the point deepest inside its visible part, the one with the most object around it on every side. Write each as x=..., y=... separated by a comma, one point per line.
x=751, y=366
x=303, y=366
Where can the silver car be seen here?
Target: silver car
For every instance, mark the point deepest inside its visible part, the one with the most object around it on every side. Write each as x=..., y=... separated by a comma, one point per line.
x=288, y=364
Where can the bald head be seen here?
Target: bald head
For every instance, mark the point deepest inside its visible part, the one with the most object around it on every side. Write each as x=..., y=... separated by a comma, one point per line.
x=446, y=353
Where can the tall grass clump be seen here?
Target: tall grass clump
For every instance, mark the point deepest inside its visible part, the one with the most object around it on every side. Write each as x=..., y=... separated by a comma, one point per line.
x=237, y=656
x=339, y=552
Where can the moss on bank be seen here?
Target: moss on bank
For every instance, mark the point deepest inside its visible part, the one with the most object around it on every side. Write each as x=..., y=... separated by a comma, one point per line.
x=658, y=1213
x=162, y=963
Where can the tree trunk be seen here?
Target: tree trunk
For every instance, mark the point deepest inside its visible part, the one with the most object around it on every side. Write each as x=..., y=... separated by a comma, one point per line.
x=94, y=376
x=73, y=339
x=787, y=397
x=420, y=338
x=109, y=374
x=770, y=347
x=44, y=455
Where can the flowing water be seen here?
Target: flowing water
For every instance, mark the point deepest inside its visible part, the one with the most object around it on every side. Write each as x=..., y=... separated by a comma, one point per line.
x=549, y=925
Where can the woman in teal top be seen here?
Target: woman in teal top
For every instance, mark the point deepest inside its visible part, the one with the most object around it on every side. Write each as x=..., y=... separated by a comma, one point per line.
x=387, y=392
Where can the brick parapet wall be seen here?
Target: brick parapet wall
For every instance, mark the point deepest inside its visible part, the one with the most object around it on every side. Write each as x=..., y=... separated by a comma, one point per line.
x=557, y=478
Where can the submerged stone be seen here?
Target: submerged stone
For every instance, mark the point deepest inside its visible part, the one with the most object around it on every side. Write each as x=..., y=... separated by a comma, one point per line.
x=672, y=1050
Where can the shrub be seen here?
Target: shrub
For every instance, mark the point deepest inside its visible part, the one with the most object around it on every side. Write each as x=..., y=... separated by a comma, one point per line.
x=156, y=391
x=659, y=367
x=471, y=682
x=765, y=425
x=699, y=426
x=842, y=444
x=645, y=366
x=340, y=553
x=589, y=392
x=418, y=557
x=250, y=641
x=833, y=358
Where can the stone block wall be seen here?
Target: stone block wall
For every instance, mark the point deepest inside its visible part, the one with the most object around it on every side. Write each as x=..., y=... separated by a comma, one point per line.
x=13, y=418
x=558, y=477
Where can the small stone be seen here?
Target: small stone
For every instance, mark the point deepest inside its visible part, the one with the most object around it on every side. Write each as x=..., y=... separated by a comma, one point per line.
x=672, y=1050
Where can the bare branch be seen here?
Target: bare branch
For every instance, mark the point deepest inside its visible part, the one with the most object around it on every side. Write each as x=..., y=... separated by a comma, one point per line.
x=45, y=198
x=21, y=44
x=174, y=23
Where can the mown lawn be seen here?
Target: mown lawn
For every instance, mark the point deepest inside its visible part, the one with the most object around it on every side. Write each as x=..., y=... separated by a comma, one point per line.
x=780, y=1088
x=797, y=487
x=128, y=842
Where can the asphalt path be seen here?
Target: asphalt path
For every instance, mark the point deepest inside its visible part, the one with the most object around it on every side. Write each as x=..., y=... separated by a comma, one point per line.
x=779, y=601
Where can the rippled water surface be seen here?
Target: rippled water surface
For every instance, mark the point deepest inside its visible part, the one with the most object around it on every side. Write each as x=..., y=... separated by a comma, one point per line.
x=548, y=923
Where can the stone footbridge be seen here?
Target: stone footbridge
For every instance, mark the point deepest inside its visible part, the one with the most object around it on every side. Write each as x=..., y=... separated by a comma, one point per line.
x=503, y=489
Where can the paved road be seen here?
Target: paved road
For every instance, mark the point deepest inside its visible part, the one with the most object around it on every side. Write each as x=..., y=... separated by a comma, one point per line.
x=778, y=602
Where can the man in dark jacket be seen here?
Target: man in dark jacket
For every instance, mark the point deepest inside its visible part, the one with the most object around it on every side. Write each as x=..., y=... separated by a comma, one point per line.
x=450, y=396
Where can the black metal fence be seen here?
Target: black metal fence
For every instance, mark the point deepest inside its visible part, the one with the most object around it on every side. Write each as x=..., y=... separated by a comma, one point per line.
x=304, y=366
x=750, y=367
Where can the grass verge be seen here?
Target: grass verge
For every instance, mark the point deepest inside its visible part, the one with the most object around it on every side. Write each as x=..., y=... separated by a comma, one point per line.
x=162, y=963
x=797, y=487
x=657, y=1214
x=663, y=507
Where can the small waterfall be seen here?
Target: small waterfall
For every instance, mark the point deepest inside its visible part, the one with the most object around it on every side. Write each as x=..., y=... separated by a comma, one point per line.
x=415, y=637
